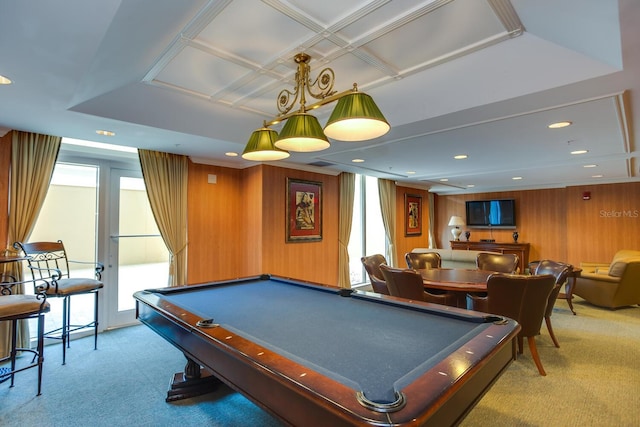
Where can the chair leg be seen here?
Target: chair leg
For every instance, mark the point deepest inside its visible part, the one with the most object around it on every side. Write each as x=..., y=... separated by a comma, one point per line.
x=65, y=328
x=40, y=350
x=535, y=355
x=520, y=344
x=547, y=320
x=95, y=321
x=69, y=321
x=14, y=348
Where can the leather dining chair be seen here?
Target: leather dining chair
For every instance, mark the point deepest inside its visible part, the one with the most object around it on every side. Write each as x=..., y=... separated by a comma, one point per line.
x=407, y=283
x=524, y=299
x=561, y=272
x=372, y=266
x=50, y=272
x=423, y=260
x=500, y=263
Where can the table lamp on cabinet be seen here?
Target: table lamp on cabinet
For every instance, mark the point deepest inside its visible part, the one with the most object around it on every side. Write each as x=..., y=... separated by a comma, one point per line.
x=456, y=222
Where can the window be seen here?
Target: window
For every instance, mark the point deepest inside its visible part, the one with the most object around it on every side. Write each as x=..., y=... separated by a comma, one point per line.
x=367, y=229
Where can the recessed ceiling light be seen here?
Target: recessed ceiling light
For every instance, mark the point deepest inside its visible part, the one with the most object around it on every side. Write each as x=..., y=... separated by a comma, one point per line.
x=559, y=125
x=105, y=132
x=590, y=166
x=231, y=154
x=444, y=180
x=580, y=152
x=470, y=185
x=411, y=172
x=5, y=80
x=460, y=156
x=357, y=161
x=597, y=176
x=515, y=178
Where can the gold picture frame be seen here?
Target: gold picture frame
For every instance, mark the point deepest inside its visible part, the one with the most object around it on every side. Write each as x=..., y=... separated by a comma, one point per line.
x=413, y=215
x=303, y=211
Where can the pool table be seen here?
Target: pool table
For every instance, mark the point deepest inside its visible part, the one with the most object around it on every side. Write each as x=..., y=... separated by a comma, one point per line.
x=319, y=355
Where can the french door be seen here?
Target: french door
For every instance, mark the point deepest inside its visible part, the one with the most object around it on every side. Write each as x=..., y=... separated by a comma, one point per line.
x=99, y=208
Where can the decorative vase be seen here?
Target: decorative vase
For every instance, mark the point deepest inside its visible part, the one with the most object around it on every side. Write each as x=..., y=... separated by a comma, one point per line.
x=515, y=236
x=467, y=234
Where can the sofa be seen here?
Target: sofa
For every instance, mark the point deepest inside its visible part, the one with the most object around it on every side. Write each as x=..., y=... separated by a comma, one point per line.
x=454, y=258
x=612, y=285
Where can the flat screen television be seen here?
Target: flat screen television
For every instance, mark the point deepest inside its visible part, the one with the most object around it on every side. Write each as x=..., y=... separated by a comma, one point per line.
x=491, y=213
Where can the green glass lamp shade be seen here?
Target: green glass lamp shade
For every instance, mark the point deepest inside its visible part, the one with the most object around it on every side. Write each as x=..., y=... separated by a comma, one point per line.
x=356, y=118
x=261, y=146
x=302, y=133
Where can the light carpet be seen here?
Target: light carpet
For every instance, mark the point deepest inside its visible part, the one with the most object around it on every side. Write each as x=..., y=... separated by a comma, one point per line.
x=592, y=380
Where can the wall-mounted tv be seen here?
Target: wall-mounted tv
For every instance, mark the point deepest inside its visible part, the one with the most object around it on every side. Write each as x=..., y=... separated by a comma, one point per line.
x=491, y=213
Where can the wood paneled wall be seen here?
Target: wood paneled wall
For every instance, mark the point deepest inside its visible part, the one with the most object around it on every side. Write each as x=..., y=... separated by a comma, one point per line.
x=405, y=243
x=609, y=221
x=252, y=223
x=558, y=223
x=216, y=224
x=237, y=226
x=311, y=261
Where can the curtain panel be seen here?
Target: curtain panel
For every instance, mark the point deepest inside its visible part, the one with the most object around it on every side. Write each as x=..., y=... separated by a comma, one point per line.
x=165, y=176
x=33, y=158
x=387, y=194
x=432, y=226
x=347, y=191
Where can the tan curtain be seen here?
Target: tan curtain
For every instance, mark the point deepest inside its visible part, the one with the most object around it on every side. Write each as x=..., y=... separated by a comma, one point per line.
x=347, y=191
x=165, y=176
x=33, y=158
x=387, y=193
x=432, y=226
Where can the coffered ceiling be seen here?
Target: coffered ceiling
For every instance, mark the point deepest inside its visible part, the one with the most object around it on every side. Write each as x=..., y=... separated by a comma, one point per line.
x=482, y=78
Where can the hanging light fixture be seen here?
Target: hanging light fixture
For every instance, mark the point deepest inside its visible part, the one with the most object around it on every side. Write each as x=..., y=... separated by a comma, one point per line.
x=302, y=132
x=261, y=146
x=356, y=117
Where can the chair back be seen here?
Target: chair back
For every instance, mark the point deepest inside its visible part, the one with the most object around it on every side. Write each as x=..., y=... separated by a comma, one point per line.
x=423, y=260
x=522, y=298
x=403, y=283
x=372, y=266
x=48, y=261
x=558, y=270
x=500, y=263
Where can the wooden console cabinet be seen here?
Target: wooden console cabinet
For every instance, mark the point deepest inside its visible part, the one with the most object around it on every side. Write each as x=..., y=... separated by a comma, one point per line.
x=520, y=249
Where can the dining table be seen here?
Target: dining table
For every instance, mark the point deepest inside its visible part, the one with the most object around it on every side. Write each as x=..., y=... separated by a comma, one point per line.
x=458, y=281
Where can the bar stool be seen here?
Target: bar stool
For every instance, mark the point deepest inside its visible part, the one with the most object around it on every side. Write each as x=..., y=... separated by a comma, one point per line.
x=14, y=307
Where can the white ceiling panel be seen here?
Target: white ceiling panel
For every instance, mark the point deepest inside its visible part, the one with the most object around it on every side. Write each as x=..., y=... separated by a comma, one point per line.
x=480, y=77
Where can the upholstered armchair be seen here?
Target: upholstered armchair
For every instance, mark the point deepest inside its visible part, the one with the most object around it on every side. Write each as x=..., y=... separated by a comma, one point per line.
x=407, y=283
x=423, y=260
x=372, y=266
x=611, y=285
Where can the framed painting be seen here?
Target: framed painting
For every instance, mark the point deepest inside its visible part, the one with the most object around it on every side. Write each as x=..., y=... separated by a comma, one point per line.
x=413, y=215
x=304, y=211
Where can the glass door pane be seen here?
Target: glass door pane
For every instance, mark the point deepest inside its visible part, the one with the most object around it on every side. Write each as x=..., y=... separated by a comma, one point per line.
x=138, y=257
x=69, y=213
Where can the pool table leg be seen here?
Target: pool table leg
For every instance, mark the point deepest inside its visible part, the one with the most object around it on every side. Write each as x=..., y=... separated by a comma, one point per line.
x=190, y=383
